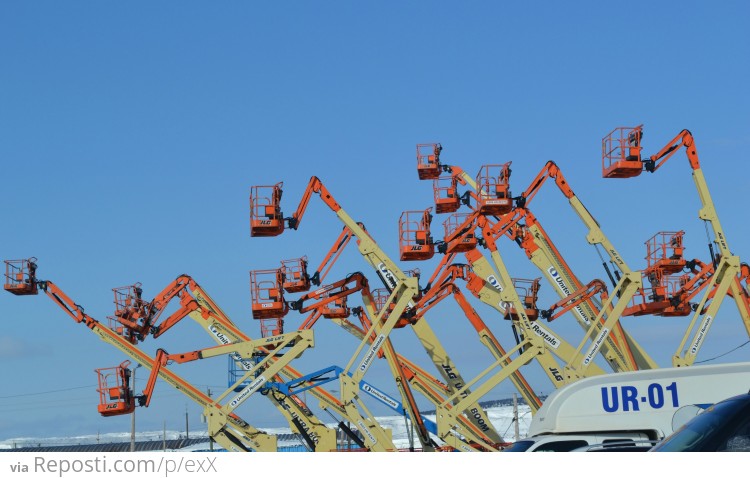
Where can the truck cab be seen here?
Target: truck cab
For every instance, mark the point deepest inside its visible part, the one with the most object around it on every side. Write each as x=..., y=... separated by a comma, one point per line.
x=642, y=405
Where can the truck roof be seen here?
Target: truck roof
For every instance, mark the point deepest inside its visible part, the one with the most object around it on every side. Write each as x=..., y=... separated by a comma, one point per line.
x=658, y=400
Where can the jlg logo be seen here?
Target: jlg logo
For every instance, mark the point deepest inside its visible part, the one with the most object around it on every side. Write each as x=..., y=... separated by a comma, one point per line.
x=556, y=374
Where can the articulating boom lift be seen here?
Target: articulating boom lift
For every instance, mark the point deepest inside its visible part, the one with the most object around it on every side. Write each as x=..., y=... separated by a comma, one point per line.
x=225, y=427
x=726, y=278
x=540, y=250
x=620, y=350
x=403, y=292
x=198, y=305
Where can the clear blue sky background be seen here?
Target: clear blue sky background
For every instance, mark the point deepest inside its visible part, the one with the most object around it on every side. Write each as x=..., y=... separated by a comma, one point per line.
x=131, y=133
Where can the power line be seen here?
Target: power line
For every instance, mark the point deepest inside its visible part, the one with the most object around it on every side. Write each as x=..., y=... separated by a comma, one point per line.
x=45, y=392
x=726, y=353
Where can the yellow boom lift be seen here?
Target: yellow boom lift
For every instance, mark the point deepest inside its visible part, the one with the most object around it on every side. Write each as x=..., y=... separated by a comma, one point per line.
x=224, y=426
x=619, y=349
x=268, y=221
x=621, y=158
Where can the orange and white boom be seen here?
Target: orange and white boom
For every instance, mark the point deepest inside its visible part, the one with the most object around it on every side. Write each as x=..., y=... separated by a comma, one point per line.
x=403, y=291
x=329, y=294
x=446, y=286
x=727, y=266
x=478, y=432
x=226, y=428
x=499, y=294
x=576, y=298
x=328, y=300
x=487, y=285
x=620, y=350
x=402, y=294
x=545, y=256
x=625, y=281
x=200, y=307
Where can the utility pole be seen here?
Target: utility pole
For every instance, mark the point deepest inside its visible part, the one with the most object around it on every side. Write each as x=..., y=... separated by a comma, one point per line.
x=187, y=431
x=210, y=440
x=132, y=415
x=515, y=416
x=164, y=437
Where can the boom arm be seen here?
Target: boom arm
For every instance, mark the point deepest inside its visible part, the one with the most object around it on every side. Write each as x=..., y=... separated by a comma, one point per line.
x=227, y=429
x=403, y=291
x=726, y=263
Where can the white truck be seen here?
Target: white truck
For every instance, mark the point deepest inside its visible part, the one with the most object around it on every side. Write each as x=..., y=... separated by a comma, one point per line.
x=642, y=405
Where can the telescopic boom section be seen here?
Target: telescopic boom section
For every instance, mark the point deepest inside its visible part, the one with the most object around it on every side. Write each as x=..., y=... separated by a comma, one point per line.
x=684, y=138
x=333, y=255
x=330, y=294
x=314, y=186
x=403, y=290
x=724, y=262
x=577, y=297
x=550, y=170
x=228, y=429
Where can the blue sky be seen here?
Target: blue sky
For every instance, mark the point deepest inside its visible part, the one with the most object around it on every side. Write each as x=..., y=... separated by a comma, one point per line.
x=132, y=133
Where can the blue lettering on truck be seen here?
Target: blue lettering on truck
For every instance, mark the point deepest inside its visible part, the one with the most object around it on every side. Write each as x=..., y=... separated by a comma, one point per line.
x=628, y=399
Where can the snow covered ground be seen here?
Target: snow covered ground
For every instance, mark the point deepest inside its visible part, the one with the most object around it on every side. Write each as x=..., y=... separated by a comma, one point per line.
x=501, y=417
